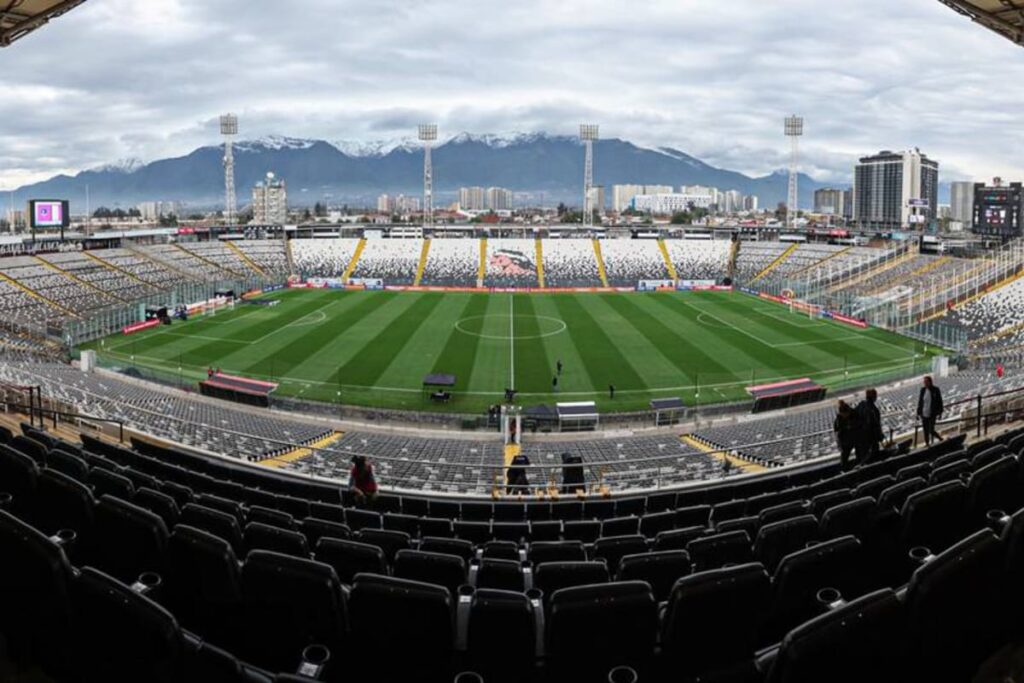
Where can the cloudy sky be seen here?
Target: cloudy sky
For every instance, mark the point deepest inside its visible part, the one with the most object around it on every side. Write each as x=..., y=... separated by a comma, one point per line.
x=127, y=78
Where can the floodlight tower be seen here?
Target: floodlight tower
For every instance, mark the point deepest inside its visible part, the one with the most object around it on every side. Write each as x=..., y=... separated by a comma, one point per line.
x=794, y=131
x=229, y=129
x=428, y=134
x=588, y=134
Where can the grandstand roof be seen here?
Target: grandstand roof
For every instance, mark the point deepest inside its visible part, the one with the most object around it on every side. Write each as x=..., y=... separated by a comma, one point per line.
x=1005, y=17
x=18, y=18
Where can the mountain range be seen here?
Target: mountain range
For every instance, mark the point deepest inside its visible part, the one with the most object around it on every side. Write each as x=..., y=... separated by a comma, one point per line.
x=547, y=167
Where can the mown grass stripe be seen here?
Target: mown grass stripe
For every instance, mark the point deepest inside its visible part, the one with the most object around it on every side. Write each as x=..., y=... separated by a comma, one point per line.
x=534, y=368
x=603, y=362
x=458, y=355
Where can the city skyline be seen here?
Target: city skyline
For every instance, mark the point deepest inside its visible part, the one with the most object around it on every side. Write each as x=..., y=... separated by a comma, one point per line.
x=712, y=83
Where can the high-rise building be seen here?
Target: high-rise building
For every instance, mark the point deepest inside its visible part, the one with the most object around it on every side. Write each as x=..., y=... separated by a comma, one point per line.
x=830, y=201
x=472, y=198
x=597, y=198
x=499, y=199
x=750, y=202
x=733, y=201
x=622, y=195
x=961, y=203
x=386, y=204
x=667, y=203
x=270, y=202
x=896, y=191
x=404, y=204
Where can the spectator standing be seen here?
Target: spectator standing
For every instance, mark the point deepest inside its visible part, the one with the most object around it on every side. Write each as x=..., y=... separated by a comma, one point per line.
x=929, y=409
x=611, y=391
x=846, y=428
x=517, y=480
x=869, y=428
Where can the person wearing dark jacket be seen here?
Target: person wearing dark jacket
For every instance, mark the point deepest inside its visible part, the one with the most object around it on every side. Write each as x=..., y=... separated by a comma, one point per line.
x=869, y=428
x=517, y=480
x=929, y=409
x=572, y=474
x=846, y=428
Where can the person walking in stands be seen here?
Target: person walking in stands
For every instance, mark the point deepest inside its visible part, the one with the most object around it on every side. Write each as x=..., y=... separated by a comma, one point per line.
x=361, y=481
x=869, y=428
x=929, y=409
x=846, y=428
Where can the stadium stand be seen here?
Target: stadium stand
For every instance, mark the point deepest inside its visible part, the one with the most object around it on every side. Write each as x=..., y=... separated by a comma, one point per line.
x=511, y=263
x=140, y=267
x=55, y=286
x=626, y=262
x=393, y=260
x=116, y=283
x=995, y=319
x=754, y=257
x=221, y=254
x=268, y=255
x=570, y=263
x=699, y=259
x=322, y=257
x=452, y=262
x=193, y=266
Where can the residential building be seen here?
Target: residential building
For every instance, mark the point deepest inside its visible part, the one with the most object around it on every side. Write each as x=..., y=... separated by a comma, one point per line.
x=270, y=202
x=499, y=199
x=472, y=198
x=750, y=202
x=830, y=201
x=896, y=191
x=961, y=202
x=622, y=195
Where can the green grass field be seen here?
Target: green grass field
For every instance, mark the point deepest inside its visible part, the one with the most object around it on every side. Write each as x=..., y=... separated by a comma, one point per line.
x=374, y=348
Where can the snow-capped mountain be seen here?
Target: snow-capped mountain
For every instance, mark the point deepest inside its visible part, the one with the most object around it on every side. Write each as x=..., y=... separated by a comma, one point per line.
x=550, y=167
x=126, y=166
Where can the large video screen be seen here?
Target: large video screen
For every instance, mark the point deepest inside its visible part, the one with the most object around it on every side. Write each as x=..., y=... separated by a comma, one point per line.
x=49, y=213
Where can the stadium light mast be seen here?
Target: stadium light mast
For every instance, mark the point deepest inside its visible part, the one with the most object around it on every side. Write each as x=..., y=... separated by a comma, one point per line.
x=588, y=134
x=229, y=129
x=794, y=131
x=427, y=135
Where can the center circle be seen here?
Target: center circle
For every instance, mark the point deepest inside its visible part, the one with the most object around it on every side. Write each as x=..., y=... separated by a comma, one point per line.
x=546, y=326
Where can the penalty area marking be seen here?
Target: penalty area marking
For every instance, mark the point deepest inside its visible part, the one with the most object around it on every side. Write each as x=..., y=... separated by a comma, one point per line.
x=512, y=335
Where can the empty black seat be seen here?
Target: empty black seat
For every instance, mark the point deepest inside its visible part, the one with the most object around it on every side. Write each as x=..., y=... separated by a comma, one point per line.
x=448, y=546
x=504, y=575
x=594, y=628
x=61, y=502
x=476, y=533
x=953, y=603
x=695, y=515
x=225, y=505
x=620, y=526
x=556, y=551
x=777, y=513
x=954, y=471
x=394, y=521
x=654, y=523
x=202, y=587
x=993, y=487
x=552, y=576
x=550, y=530
x=181, y=494
x=127, y=540
x=712, y=552
x=270, y=517
x=380, y=608
x=362, y=519
x=426, y=567
x=586, y=531
x=289, y=603
x=500, y=550
x=778, y=539
x=824, y=501
x=259, y=536
x=713, y=621
x=502, y=637
x=158, y=503
x=314, y=529
x=68, y=463
x=859, y=641
x=215, y=522
x=660, y=570
x=106, y=483
x=853, y=518
x=436, y=527
x=933, y=517
x=30, y=447
x=18, y=476
x=837, y=563
x=121, y=636
x=611, y=549
x=349, y=558
x=388, y=541
x=513, y=532
x=677, y=539
x=873, y=487
x=892, y=498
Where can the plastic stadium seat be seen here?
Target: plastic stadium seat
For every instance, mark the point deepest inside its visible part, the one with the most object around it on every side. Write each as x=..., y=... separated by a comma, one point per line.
x=476, y=533
x=953, y=604
x=513, y=532
x=314, y=529
x=446, y=509
x=630, y=507
x=349, y=558
x=586, y=531
x=712, y=552
x=504, y=575
x=873, y=487
x=696, y=515
x=502, y=635
x=654, y=523
x=476, y=512
x=61, y=502
x=509, y=512
x=595, y=628
x=988, y=456
x=599, y=509
x=448, y=546
x=954, y=471
x=380, y=608
x=777, y=513
x=500, y=550
x=448, y=571
x=567, y=511
x=68, y=463
x=677, y=539
x=437, y=527
x=838, y=563
x=5, y=435
x=611, y=549
x=893, y=497
x=538, y=512
x=263, y=515
x=394, y=521
x=327, y=511
x=993, y=487
x=362, y=519
x=121, y=636
x=713, y=621
x=202, y=586
x=854, y=518
x=225, y=505
x=620, y=526
x=181, y=494
x=212, y=521
x=30, y=447
x=553, y=576
x=661, y=502
x=265, y=537
x=550, y=530
x=933, y=517
x=127, y=540
x=388, y=541
x=159, y=504
x=18, y=475
x=289, y=603
x=660, y=570
x=556, y=551
x=859, y=641
x=748, y=524
x=824, y=501
x=778, y=539
x=106, y=483
x=35, y=579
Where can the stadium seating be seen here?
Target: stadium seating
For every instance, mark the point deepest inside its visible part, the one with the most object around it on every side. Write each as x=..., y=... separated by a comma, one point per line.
x=626, y=262
x=452, y=262
x=699, y=259
x=511, y=263
x=393, y=260
x=570, y=263
x=322, y=257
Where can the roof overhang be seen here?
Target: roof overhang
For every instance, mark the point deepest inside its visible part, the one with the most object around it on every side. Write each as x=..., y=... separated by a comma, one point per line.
x=1005, y=17
x=18, y=18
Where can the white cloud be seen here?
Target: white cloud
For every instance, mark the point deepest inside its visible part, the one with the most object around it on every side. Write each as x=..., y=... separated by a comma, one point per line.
x=119, y=78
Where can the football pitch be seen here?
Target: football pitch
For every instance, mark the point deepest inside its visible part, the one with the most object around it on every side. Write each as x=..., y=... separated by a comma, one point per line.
x=375, y=348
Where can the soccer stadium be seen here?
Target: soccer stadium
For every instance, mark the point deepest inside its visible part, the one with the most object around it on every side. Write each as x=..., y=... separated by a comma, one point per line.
x=369, y=451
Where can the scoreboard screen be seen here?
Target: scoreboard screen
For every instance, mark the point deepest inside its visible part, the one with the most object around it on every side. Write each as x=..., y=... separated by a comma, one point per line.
x=48, y=213
x=997, y=210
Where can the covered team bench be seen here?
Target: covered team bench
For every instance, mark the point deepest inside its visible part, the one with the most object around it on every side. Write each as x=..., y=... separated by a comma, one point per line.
x=439, y=387
x=796, y=392
x=577, y=417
